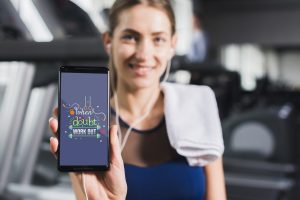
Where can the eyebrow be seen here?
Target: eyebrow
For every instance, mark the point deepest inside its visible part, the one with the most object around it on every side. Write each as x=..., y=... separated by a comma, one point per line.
x=131, y=31
x=137, y=33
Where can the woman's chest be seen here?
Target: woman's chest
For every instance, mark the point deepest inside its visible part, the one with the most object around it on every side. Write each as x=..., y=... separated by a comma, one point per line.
x=167, y=181
x=147, y=149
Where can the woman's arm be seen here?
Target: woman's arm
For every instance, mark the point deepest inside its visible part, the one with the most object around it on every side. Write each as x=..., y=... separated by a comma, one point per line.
x=215, y=181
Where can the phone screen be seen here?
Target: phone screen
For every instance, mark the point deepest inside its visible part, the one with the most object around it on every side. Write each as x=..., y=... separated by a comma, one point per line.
x=83, y=119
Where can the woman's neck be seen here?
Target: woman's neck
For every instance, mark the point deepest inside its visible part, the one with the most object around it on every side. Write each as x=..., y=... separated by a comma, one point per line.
x=136, y=102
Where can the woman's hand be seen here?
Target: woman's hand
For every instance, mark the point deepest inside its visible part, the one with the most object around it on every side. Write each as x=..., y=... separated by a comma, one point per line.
x=106, y=185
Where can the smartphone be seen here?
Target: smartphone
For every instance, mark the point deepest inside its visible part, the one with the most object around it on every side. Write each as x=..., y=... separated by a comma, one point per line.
x=83, y=119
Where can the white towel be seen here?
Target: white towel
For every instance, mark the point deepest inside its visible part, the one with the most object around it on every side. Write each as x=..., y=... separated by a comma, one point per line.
x=193, y=122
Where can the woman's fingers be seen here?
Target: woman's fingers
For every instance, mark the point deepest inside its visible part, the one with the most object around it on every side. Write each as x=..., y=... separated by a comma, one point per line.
x=55, y=111
x=53, y=125
x=53, y=145
x=115, y=146
x=53, y=140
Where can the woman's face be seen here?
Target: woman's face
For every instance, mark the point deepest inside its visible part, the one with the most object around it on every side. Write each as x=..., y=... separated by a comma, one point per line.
x=141, y=46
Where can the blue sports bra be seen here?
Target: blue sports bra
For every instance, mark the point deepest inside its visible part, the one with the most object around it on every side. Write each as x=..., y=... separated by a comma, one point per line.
x=172, y=180
x=167, y=181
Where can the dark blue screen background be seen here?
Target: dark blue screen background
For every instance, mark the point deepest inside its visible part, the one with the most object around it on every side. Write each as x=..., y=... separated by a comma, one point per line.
x=83, y=119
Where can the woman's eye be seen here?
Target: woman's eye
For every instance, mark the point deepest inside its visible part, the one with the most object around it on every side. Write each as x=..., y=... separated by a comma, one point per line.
x=159, y=40
x=129, y=38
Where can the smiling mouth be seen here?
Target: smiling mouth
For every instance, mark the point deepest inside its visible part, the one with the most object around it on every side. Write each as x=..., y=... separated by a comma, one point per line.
x=140, y=70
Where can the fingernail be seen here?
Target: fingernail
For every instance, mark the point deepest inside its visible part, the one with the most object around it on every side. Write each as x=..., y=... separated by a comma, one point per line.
x=50, y=119
x=51, y=138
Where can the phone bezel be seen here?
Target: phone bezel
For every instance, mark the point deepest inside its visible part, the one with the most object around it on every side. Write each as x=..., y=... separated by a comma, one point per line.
x=79, y=69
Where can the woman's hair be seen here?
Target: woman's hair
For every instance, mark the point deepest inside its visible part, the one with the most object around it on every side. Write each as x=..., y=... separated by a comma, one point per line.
x=121, y=5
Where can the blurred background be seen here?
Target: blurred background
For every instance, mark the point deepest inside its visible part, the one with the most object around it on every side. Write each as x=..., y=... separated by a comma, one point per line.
x=247, y=51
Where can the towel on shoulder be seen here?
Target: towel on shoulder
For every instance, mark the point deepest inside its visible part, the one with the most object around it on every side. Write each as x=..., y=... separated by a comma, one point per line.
x=193, y=123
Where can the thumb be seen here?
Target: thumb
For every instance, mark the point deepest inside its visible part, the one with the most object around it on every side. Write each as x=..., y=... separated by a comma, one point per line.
x=115, y=149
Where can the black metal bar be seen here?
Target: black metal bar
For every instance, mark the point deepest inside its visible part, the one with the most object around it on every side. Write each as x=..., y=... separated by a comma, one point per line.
x=57, y=50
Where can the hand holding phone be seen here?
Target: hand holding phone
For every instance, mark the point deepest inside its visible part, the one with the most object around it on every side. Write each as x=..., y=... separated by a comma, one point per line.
x=83, y=119
x=84, y=141
x=110, y=184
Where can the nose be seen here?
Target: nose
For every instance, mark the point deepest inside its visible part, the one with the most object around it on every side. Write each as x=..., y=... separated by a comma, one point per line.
x=144, y=50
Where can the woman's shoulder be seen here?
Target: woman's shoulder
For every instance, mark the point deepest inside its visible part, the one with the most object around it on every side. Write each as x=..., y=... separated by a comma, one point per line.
x=189, y=100
x=193, y=110
x=184, y=91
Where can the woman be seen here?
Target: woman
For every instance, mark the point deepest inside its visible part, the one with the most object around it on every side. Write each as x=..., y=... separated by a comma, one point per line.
x=141, y=43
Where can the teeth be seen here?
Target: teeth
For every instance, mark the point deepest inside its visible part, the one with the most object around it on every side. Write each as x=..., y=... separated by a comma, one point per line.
x=134, y=66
